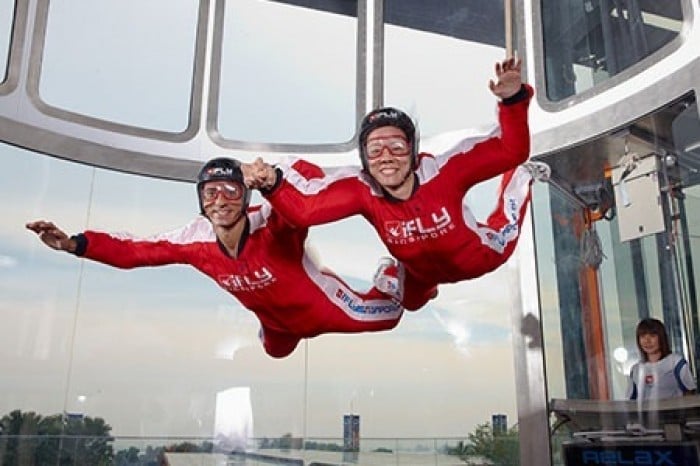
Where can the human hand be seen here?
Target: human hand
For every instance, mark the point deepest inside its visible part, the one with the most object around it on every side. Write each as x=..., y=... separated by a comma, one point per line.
x=249, y=171
x=508, y=81
x=260, y=175
x=52, y=236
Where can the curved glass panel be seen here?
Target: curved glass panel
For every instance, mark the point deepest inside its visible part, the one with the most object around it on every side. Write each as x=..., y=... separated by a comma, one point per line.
x=288, y=74
x=647, y=257
x=447, y=90
x=141, y=79
x=161, y=357
x=586, y=42
x=617, y=242
x=7, y=9
x=567, y=338
x=38, y=298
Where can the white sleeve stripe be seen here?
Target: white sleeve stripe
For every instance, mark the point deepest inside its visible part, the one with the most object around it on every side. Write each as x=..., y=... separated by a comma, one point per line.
x=316, y=185
x=514, y=193
x=198, y=230
x=430, y=166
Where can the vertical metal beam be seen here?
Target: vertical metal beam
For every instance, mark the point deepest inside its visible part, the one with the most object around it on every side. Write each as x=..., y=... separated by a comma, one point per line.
x=508, y=19
x=363, y=80
x=376, y=47
x=528, y=356
x=370, y=56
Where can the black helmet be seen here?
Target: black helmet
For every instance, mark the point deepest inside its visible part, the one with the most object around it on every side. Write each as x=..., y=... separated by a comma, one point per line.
x=222, y=169
x=388, y=116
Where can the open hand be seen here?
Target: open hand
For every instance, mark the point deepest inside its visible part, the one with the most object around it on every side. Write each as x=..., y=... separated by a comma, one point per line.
x=52, y=236
x=508, y=78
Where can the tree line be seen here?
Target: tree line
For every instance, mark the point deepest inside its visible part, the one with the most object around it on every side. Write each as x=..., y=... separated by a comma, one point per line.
x=30, y=439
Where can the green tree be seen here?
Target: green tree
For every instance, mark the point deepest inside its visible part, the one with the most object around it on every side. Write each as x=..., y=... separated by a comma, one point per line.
x=128, y=457
x=501, y=449
x=310, y=445
x=28, y=439
x=189, y=447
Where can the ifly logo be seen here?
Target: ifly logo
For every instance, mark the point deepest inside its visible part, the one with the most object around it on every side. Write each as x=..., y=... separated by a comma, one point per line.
x=220, y=171
x=256, y=280
x=429, y=226
x=632, y=457
x=388, y=114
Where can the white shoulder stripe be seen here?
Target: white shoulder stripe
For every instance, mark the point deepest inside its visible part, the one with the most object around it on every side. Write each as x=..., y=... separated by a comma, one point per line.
x=198, y=230
x=315, y=185
x=430, y=165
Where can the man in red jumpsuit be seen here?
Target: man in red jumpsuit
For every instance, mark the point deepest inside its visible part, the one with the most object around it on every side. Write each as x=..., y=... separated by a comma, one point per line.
x=250, y=252
x=416, y=202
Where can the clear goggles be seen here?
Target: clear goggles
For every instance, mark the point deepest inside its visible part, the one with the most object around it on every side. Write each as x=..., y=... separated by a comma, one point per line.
x=396, y=145
x=232, y=191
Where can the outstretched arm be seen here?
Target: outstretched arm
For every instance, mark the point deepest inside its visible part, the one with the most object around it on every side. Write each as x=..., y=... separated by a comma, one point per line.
x=305, y=194
x=473, y=160
x=52, y=236
x=127, y=251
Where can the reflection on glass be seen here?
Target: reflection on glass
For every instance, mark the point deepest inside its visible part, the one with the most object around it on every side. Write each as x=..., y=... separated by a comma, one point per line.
x=588, y=42
x=7, y=9
x=234, y=419
x=144, y=79
x=287, y=74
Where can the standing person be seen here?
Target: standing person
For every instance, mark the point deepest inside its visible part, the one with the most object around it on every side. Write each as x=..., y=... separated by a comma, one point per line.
x=660, y=373
x=250, y=252
x=416, y=201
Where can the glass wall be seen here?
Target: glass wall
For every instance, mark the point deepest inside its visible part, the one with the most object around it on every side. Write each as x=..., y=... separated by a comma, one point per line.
x=442, y=95
x=144, y=79
x=288, y=74
x=647, y=275
x=587, y=42
x=161, y=356
x=625, y=268
x=617, y=243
